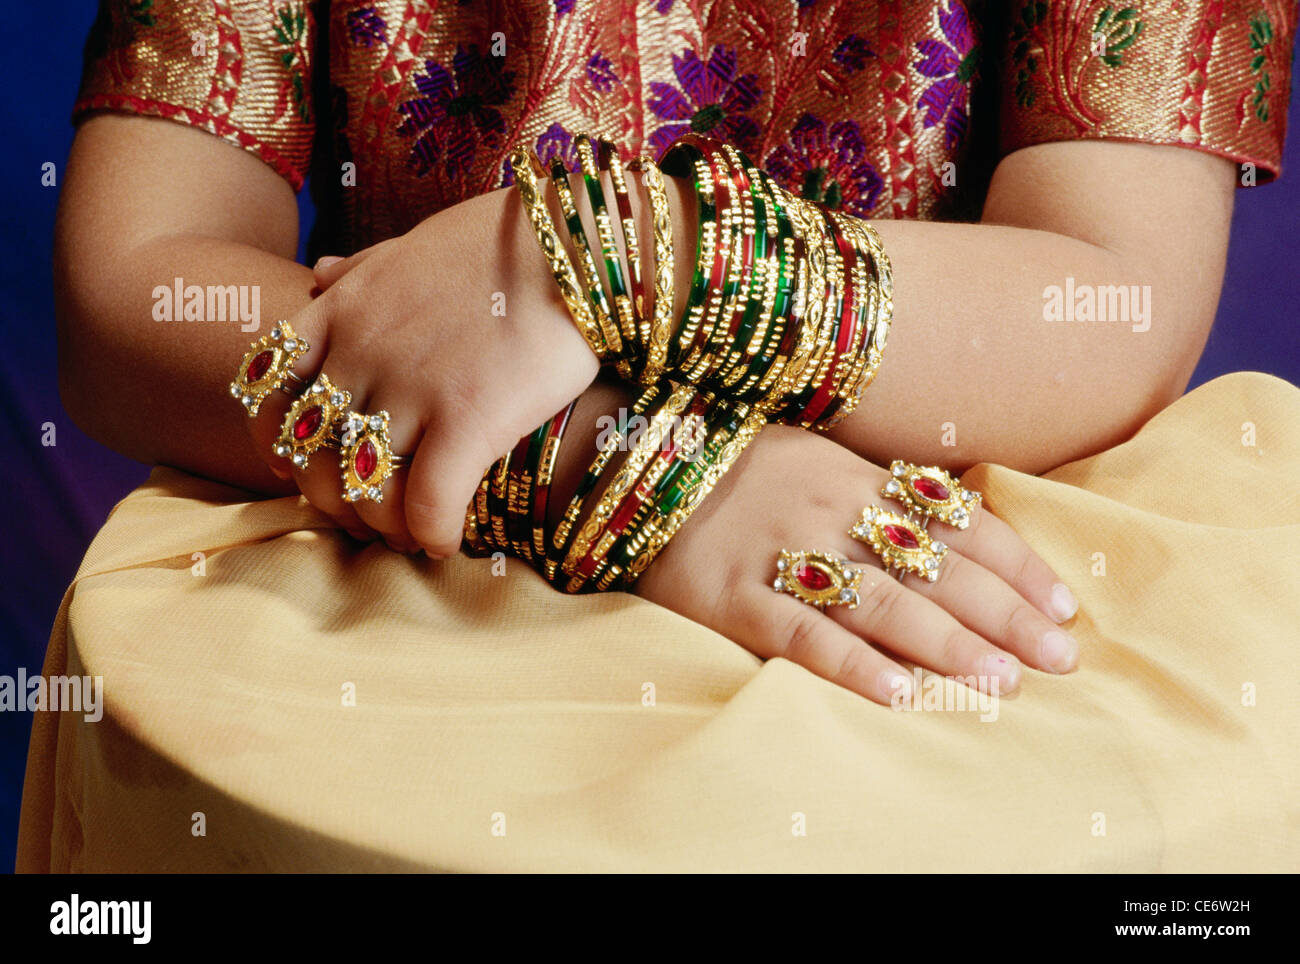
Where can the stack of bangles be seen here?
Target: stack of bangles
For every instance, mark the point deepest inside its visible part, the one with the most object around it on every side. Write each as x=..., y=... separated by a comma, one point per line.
x=786, y=318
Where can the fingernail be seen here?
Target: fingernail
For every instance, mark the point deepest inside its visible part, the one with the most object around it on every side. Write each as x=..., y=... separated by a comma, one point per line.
x=1007, y=671
x=325, y=261
x=1059, y=652
x=898, y=689
x=1062, y=604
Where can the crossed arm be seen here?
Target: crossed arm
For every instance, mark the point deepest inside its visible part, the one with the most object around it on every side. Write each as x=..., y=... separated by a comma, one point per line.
x=146, y=200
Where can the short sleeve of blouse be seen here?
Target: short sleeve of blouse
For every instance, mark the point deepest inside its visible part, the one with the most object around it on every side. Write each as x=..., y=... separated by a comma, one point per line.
x=239, y=69
x=1208, y=74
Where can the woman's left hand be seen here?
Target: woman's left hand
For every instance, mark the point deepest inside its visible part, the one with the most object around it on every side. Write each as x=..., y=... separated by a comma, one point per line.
x=987, y=611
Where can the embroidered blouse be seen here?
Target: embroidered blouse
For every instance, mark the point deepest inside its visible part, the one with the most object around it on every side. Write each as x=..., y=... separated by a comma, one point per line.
x=887, y=109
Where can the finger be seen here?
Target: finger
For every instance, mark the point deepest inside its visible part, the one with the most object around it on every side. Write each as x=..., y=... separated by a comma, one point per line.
x=772, y=624
x=330, y=268
x=906, y=623
x=998, y=548
x=443, y=477
x=388, y=516
x=307, y=325
x=319, y=482
x=986, y=604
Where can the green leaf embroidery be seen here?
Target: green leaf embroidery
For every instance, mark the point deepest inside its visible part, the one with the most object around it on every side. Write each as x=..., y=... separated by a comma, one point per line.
x=1119, y=31
x=1261, y=37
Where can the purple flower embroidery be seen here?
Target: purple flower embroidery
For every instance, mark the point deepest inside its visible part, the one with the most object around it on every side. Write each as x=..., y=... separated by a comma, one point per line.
x=366, y=27
x=828, y=164
x=712, y=100
x=553, y=142
x=562, y=7
x=951, y=66
x=663, y=6
x=600, y=71
x=852, y=53
x=456, y=111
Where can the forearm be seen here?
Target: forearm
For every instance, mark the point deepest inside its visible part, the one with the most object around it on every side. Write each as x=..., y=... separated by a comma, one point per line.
x=973, y=372
x=156, y=390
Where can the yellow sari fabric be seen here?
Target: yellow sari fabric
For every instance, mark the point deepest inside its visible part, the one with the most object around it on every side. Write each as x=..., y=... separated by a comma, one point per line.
x=499, y=725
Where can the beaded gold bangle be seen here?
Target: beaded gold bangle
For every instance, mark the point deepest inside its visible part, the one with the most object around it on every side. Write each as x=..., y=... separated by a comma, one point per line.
x=658, y=331
x=528, y=179
x=591, y=168
x=595, y=526
x=711, y=471
x=558, y=544
x=661, y=489
x=586, y=262
x=730, y=266
x=638, y=507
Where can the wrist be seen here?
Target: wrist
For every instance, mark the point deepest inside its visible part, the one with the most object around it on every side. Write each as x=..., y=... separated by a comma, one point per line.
x=603, y=397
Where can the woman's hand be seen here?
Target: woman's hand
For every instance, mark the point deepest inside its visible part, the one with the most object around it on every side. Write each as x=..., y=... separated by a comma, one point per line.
x=458, y=331
x=982, y=617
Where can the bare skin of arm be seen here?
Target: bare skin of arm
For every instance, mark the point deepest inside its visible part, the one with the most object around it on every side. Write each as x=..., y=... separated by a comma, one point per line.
x=145, y=201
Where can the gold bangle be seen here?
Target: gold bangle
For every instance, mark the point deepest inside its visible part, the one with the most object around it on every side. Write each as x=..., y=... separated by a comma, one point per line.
x=753, y=422
x=660, y=327
x=527, y=182
x=626, y=476
x=880, y=311
x=809, y=302
x=586, y=262
x=605, y=232
x=711, y=234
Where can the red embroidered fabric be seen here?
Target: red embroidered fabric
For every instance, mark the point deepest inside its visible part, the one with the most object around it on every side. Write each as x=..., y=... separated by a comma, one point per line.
x=886, y=109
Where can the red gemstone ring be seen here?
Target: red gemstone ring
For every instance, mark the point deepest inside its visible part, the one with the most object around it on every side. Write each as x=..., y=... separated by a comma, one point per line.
x=820, y=579
x=367, y=459
x=266, y=365
x=902, y=545
x=312, y=420
x=932, y=493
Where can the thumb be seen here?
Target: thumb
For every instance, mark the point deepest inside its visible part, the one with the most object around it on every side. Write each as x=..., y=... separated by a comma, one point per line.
x=330, y=268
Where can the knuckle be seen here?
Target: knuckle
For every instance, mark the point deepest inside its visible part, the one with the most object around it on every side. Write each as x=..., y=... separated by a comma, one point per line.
x=429, y=529
x=799, y=635
x=957, y=646
x=852, y=669
x=1024, y=568
x=880, y=601
x=1018, y=615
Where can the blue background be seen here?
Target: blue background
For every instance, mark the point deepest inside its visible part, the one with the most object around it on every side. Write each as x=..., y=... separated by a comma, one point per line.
x=62, y=494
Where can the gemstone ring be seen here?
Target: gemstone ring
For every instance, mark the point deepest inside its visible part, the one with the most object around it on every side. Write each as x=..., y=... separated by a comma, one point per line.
x=310, y=424
x=368, y=460
x=820, y=579
x=266, y=366
x=902, y=545
x=931, y=493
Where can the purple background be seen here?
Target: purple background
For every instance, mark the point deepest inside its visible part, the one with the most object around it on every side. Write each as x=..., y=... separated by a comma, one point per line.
x=59, y=496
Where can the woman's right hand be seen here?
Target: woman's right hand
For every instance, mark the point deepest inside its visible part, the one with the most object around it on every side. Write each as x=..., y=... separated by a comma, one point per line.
x=458, y=331
x=994, y=606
